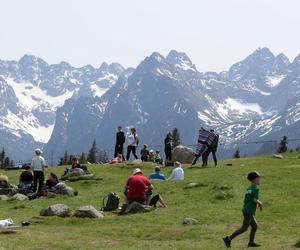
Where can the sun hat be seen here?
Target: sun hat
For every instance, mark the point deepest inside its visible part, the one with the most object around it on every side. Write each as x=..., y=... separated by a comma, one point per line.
x=137, y=171
x=38, y=151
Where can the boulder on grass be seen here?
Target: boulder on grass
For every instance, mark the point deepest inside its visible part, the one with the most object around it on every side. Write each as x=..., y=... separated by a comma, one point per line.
x=3, y=197
x=136, y=207
x=60, y=210
x=276, y=156
x=20, y=197
x=88, y=212
x=189, y=221
x=62, y=188
x=184, y=155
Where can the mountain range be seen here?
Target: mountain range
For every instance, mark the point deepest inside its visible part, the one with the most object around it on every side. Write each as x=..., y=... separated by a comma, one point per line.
x=60, y=107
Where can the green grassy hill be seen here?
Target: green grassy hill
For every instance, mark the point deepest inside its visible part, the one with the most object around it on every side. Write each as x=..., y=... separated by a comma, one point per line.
x=279, y=223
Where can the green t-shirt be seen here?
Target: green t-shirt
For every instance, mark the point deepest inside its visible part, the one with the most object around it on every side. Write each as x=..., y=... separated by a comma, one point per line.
x=249, y=204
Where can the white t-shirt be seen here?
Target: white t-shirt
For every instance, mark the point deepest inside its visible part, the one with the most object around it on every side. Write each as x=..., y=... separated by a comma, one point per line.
x=132, y=140
x=38, y=163
x=177, y=174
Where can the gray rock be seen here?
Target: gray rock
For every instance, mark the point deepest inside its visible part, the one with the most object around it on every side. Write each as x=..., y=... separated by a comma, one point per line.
x=88, y=212
x=189, y=221
x=60, y=210
x=3, y=197
x=20, y=197
x=276, y=156
x=136, y=207
x=184, y=155
x=62, y=188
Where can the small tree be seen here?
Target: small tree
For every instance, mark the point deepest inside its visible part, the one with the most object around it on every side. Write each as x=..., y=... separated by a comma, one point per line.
x=92, y=155
x=2, y=158
x=103, y=156
x=82, y=159
x=176, y=138
x=6, y=162
x=283, y=145
x=237, y=155
x=66, y=158
x=61, y=161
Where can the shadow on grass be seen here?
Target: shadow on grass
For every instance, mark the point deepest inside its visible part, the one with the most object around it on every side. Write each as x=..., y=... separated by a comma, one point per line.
x=7, y=232
x=297, y=245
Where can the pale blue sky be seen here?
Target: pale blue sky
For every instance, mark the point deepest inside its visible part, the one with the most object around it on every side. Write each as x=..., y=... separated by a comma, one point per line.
x=214, y=33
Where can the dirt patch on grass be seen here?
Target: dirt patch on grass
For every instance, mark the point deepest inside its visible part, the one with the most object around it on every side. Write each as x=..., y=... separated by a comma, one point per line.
x=8, y=232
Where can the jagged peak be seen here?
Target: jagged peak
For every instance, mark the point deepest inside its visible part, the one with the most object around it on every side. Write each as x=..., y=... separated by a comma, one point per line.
x=180, y=60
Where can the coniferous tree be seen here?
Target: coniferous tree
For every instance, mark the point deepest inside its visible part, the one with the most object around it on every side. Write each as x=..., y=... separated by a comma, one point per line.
x=82, y=159
x=66, y=158
x=2, y=158
x=236, y=154
x=283, y=145
x=176, y=138
x=61, y=161
x=92, y=155
x=6, y=162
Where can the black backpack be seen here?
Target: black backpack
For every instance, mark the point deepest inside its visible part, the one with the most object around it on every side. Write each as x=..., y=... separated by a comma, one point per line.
x=112, y=202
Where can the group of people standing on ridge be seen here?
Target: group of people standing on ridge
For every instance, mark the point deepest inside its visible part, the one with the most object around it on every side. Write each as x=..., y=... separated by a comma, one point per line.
x=154, y=156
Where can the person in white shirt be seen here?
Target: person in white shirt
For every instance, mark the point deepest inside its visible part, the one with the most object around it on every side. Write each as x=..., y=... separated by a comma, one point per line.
x=133, y=142
x=38, y=164
x=177, y=173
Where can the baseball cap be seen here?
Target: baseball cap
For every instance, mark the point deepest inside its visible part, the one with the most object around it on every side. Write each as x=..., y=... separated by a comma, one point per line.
x=137, y=171
x=157, y=168
x=253, y=175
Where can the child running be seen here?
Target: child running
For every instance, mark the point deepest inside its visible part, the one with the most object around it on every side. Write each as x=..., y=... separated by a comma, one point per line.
x=251, y=201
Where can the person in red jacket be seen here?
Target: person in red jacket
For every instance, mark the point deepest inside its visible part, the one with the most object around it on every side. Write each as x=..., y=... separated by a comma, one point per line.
x=136, y=187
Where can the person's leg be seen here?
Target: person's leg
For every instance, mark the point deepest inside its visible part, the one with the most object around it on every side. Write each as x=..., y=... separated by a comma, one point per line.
x=35, y=178
x=214, y=154
x=244, y=227
x=116, y=151
x=134, y=152
x=41, y=181
x=204, y=160
x=128, y=153
x=253, y=225
x=195, y=160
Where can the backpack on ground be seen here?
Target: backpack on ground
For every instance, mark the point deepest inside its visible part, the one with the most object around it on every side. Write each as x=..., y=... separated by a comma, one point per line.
x=112, y=202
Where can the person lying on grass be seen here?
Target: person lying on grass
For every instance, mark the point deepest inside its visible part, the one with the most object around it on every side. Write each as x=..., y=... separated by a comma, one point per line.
x=139, y=189
x=4, y=183
x=251, y=202
x=52, y=181
x=116, y=160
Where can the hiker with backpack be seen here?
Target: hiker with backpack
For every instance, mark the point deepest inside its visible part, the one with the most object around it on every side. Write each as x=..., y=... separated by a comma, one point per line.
x=38, y=165
x=211, y=149
x=120, y=140
x=133, y=142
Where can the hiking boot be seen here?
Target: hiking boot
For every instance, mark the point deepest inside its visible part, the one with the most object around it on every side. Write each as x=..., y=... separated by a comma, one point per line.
x=252, y=244
x=227, y=241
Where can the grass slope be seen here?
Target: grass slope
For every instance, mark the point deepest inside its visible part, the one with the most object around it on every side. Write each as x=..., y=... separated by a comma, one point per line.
x=279, y=223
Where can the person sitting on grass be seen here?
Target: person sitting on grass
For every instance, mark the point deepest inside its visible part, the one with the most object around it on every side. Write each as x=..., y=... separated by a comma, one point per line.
x=26, y=179
x=157, y=175
x=145, y=153
x=52, y=181
x=136, y=186
x=177, y=173
x=75, y=163
x=251, y=202
x=152, y=200
x=4, y=183
x=116, y=160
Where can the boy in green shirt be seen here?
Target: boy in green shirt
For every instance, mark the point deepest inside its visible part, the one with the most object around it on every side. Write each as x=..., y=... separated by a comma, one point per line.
x=251, y=201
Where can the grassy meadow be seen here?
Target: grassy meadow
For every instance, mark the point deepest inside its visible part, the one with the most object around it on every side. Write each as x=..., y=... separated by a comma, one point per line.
x=216, y=203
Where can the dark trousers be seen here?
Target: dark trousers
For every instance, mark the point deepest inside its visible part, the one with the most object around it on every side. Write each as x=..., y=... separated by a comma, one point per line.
x=38, y=178
x=119, y=150
x=129, y=150
x=168, y=153
x=206, y=155
x=197, y=156
x=144, y=158
x=249, y=220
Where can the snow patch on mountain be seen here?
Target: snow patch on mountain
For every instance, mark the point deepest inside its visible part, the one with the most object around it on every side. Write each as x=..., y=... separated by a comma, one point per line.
x=28, y=124
x=273, y=81
x=31, y=96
